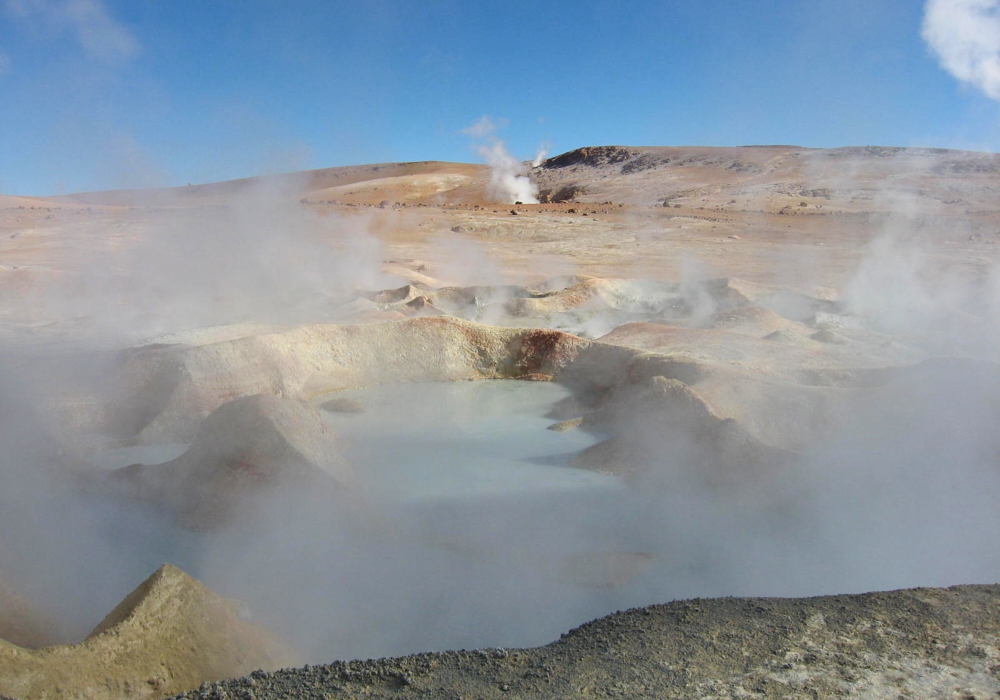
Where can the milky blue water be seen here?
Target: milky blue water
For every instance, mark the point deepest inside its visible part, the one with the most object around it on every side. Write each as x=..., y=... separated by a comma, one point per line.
x=466, y=514
x=463, y=439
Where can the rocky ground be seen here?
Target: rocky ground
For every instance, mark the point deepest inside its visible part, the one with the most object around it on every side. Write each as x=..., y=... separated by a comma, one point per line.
x=919, y=643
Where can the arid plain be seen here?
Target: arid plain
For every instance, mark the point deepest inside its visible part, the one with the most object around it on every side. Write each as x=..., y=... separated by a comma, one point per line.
x=764, y=371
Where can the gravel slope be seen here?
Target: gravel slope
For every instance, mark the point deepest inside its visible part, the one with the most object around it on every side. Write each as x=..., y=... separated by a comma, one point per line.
x=917, y=643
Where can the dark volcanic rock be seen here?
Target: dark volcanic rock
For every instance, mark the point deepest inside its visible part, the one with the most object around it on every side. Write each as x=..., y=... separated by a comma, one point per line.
x=592, y=155
x=646, y=161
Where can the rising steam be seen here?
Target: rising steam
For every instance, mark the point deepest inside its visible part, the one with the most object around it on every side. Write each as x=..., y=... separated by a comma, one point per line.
x=540, y=157
x=508, y=183
x=898, y=488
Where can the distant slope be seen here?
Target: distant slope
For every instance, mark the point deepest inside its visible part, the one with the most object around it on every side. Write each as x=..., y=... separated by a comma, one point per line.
x=321, y=184
x=771, y=177
x=764, y=179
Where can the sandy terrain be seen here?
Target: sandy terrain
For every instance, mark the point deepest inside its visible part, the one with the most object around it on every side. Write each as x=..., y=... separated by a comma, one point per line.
x=758, y=327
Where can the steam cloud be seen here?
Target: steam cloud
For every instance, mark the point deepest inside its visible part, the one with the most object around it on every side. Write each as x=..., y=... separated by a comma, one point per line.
x=262, y=258
x=899, y=491
x=965, y=36
x=508, y=183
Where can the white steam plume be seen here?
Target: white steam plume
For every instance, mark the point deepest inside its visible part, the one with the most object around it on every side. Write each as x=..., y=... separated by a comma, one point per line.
x=256, y=256
x=965, y=36
x=508, y=183
x=540, y=157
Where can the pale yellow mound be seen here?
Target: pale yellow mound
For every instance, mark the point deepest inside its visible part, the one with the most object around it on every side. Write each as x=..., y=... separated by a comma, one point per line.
x=169, y=635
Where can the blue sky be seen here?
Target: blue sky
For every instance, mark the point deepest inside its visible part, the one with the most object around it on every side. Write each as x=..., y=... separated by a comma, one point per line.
x=98, y=94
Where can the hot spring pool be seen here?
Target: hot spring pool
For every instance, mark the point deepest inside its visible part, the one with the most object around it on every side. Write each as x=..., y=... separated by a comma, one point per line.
x=467, y=523
x=462, y=439
x=470, y=530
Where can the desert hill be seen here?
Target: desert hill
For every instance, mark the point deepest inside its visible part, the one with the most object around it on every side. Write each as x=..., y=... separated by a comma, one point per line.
x=367, y=184
x=783, y=216
x=784, y=179
x=768, y=179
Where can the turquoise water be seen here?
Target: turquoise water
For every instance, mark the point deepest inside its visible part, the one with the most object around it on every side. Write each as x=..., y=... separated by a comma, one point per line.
x=462, y=439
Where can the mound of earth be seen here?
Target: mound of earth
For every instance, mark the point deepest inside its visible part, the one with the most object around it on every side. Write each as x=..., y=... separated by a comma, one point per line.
x=170, y=634
x=783, y=394
x=767, y=400
x=245, y=447
x=755, y=321
x=643, y=416
x=920, y=643
x=645, y=297
x=787, y=335
x=721, y=347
